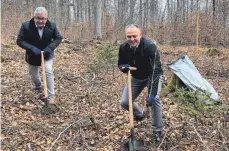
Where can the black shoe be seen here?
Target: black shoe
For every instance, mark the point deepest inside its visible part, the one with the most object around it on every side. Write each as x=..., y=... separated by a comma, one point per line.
x=157, y=136
x=139, y=118
x=37, y=89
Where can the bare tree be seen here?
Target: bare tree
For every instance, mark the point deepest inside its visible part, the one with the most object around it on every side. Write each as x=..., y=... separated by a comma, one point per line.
x=172, y=21
x=132, y=11
x=213, y=8
x=98, y=19
x=140, y=14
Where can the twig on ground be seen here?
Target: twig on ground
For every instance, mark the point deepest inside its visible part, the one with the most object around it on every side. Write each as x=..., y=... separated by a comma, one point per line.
x=84, y=141
x=93, y=77
x=29, y=147
x=71, y=78
x=222, y=136
x=162, y=140
x=71, y=143
x=226, y=148
x=63, y=132
x=174, y=147
x=200, y=138
x=89, y=96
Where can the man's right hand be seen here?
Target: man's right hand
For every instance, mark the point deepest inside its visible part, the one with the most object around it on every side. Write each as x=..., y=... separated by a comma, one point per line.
x=36, y=51
x=124, y=68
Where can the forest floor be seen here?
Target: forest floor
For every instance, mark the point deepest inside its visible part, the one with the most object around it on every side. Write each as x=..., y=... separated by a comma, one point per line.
x=90, y=115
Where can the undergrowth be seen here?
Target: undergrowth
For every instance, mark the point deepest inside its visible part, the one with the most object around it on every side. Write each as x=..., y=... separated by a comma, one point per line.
x=197, y=103
x=104, y=59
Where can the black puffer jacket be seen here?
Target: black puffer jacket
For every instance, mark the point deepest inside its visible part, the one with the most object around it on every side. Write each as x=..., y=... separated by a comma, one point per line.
x=28, y=38
x=144, y=58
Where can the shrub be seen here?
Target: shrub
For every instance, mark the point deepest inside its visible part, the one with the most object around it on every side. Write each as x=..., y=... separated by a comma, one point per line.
x=104, y=59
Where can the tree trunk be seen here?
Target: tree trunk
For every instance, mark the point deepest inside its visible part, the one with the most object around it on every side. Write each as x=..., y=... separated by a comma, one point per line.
x=213, y=7
x=132, y=10
x=98, y=19
x=140, y=14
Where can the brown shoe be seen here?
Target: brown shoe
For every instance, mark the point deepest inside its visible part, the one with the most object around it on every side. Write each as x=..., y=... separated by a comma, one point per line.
x=52, y=101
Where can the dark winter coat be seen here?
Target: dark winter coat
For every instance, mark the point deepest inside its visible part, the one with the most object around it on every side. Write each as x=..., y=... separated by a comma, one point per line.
x=145, y=58
x=29, y=39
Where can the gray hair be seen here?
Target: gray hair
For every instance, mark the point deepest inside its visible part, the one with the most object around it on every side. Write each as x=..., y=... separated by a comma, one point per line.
x=39, y=10
x=132, y=26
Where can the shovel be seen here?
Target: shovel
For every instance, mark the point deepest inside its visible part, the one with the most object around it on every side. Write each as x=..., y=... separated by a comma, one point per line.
x=132, y=144
x=45, y=99
x=48, y=108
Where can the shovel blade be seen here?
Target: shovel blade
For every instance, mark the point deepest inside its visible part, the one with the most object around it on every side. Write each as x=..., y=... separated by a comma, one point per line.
x=133, y=144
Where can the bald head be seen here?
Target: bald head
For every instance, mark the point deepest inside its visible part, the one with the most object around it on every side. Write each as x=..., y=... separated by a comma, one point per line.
x=132, y=26
x=133, y=35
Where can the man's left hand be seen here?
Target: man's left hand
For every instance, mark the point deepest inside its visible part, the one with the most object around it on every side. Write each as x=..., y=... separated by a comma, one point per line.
x=46, y=54
x=151, y=100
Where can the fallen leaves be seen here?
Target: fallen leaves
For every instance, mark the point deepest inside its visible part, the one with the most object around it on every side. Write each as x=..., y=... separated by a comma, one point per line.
x=98, y=96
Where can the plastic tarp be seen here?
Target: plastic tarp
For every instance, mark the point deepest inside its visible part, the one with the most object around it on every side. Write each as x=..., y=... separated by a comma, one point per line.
x=187, y=72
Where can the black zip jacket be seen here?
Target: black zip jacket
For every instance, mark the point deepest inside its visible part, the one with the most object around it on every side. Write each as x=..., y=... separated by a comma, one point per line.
x=29, y=39
x=145, y=58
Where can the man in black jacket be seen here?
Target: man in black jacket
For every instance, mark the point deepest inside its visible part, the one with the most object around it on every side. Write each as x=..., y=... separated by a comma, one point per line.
x=36, y=35
x=143, y=54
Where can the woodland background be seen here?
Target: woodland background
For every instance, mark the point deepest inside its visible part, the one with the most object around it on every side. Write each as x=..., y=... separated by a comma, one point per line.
x=167, y=21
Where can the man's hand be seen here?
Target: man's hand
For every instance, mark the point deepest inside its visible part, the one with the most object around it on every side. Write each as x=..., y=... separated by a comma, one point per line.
x=151, y=100
x=124, y=68
x=46, y=54
x=36, y=51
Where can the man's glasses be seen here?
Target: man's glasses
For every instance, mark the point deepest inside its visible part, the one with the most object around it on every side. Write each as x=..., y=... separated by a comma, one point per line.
x=134, y=36
x=40, y=19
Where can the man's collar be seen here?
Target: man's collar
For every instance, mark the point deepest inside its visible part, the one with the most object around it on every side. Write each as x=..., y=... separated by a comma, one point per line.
x=134, y=47
x=39, y=27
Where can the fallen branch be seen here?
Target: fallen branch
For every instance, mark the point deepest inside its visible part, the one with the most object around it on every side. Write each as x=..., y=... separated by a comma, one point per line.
x=173, y=148
x=84, y=140
x=63, y=132
x=162, y=140
x=200, y=138
x=222, y=136
x=71, y=78
x=71, y=143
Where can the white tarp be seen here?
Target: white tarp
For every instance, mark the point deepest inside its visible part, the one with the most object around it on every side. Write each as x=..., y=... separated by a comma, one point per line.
x=187, y=72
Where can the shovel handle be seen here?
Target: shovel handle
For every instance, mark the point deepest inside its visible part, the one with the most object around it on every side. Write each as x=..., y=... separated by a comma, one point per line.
x=132, y=68
x=130, y=98
x=43, y=74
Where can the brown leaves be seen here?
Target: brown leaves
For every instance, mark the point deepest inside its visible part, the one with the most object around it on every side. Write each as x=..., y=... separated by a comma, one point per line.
x=96, y=96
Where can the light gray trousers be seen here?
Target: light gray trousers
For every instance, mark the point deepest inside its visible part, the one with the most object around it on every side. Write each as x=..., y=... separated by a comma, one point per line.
x=137, y=86
x=35, y=75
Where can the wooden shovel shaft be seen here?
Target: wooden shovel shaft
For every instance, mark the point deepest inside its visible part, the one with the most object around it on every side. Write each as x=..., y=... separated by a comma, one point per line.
x=132, y=68
x=43, y=74
x=130, y=98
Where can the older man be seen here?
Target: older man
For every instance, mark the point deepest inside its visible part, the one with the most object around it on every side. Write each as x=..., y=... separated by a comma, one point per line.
x=36, y=35
x=143, y=54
